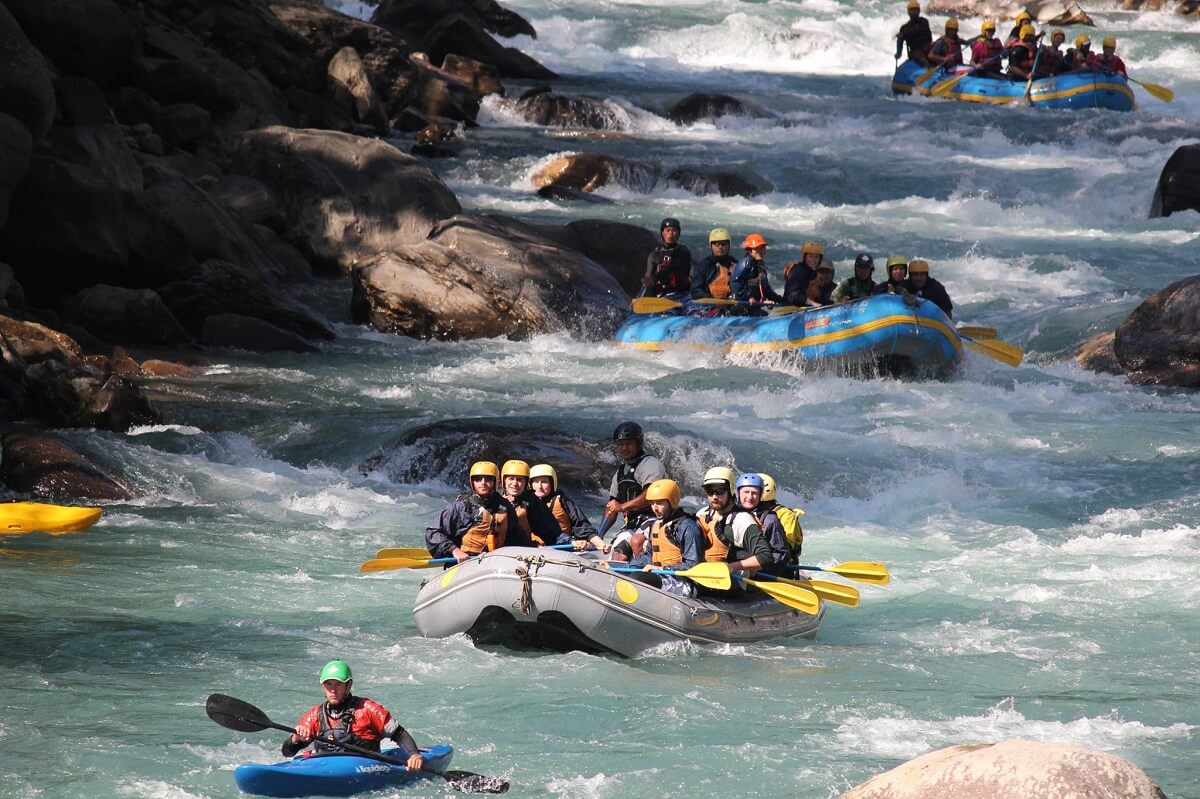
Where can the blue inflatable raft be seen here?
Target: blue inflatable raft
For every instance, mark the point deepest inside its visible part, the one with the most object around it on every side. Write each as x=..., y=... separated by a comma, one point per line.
x=337, y=775
x=1072, y=90
x=882, y=330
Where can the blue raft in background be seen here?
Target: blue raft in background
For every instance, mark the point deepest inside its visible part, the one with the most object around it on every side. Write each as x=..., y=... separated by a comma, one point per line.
x=882, y=330
x=1072, y=90
x=337, y=775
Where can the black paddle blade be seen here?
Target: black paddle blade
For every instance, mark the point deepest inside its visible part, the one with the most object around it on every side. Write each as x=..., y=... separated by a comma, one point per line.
x=469, y=782
x=236, y=714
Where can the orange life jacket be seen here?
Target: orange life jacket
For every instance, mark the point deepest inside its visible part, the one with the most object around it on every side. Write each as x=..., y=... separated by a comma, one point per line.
x=487, y=534
x=718, y=287
x=560, y=513
x=715, y=550
x=663, y=552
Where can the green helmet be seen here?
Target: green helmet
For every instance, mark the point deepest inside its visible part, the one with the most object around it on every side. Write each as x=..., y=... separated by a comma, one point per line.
x=336, y=670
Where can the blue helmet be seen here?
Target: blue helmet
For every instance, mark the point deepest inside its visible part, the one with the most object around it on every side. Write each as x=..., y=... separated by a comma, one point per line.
x=750, y=479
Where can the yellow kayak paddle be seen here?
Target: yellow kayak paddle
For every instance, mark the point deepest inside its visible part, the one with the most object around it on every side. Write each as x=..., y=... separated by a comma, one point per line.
x=17, y=518
x=801, y=599
x=862, y=571
x=997, y=350
x=1161, y=92
x=830, y=592
x=417, y=553
x=391, y=564
x=660, y=304
x=709, y=575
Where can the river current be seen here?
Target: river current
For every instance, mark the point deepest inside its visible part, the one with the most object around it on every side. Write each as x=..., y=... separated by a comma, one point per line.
x=1042, y=524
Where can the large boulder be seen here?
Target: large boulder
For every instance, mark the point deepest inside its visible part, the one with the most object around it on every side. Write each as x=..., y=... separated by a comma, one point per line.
x=1098, y=354
x=461, y=34
x=34, y=343
x=1011, y=770
x=26, y=88
x=592, y=171
x=81, y=102
x=1048, y=12
x=102, y=148
x=704, y=106
x=421, y=15
x=86, y=396
x=92, y=38
x=483, y=78
x=48, y=468
x=173, y=82
x=16, y=148
x=248, y=333
x=1159, y=343
x=133, y=316
x=543, y=106
x=619, y=247
x=483, y=276
x=1179, y=184
x=346, y=199
x=437, y=93
x=349, y=84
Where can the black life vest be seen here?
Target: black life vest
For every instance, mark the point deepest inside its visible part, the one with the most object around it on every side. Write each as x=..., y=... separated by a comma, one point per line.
x=628, y=487
x=341, y=730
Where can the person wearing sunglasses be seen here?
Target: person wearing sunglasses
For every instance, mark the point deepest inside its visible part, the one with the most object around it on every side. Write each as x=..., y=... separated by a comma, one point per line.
x=476, y=521
x=718, y=494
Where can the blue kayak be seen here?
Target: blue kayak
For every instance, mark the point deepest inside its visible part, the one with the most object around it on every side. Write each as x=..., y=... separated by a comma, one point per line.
x=882, y=329
x=1072, y=90
x=337, y=775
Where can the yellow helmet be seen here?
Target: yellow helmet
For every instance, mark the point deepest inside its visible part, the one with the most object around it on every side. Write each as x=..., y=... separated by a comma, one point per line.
x=1027, y=30
x=988, y=25
x=814, y=247
x=1024, y=16
x=896, y=260
x=514, y=469
x=952, y=24
x=545, y=470
x=918, y=265
x=718, y=234
x=914, y=4
x=485, y=469
x=1109, y=41
x=720, y=474
x=1081, y=40
x=1057, y=32
x=664, y=489
x=768, y=494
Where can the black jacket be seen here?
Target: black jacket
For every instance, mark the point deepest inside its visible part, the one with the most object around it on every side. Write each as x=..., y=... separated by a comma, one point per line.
x=935, y=292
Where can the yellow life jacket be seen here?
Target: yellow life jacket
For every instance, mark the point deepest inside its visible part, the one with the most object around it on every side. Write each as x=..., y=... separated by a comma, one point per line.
x=791, y=528
x=718, y=287
x=715, y=550
x=663, y=552
x=560, y=514
x=487, y=534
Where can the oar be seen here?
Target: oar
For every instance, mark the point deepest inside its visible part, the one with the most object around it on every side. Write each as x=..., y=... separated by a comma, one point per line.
x=418, y=553
x=858, y=570
x=389, y=564
x=925, y=75
x=234, y=714
x=709, y=575
x=1001, y=351
x=831, y=592
x=1161, y=92
x=784, y=310
x=801, y=599
x=977, y=332
x=660, y=304
x=1033, y=69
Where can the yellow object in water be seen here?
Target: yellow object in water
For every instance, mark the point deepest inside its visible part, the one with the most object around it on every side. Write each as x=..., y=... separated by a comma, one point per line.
x=31, y=517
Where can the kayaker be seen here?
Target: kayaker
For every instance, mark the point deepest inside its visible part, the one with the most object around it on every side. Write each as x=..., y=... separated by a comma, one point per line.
x=1015, y=35
x=627, y=493
x=749, y=281
x=347, y=719
x=573, y=524
x=669, y=265
x=1077, y=56
x=922, y=285
x=476, y=521
x=915, y=34
x=820, y=289
x=675, y=540
x=788, y=519
x=897, y=269
x=1021, y=54
x=986, y=52
x=749, y=547
x=798, y=274
x=711, y=277
x=718, y=491
x=859, y=286
x=947, y=50
x=533, y=516
x=1108, y=61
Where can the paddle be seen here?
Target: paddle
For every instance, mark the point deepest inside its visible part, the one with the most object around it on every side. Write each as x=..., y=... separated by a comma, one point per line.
x=660, y=304
x=801, y=599
x=234, y=714
x=389, y=564
x=1001, y=351
x=1161, y=92
x=832, y=592
x=977, y=332
x=858, y=570
x=784, y=310
x=1033, y=70
x=709, y=575
x=418, y=553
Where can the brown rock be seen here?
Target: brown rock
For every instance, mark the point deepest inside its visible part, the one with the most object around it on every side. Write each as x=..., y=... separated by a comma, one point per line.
x=1179, y=184
x=122, y=364
x=618, y=247
x=33, y=342
x=437, y=93
x=157, y=368
x=1011, y=770
x=483, y=78
x=460, y=32
x=16, y=148
x=135, y=316
x=293, y=263
x=701, y=105
x=85, y=396
x=591, y=171
x=250, y=198
x=92, y=38
x=119, y=405
x=1049, y=12
x=48, y=468
x=545, y=107
x=698, y=180
x=421, y=15
x=26, y=90
x=350, y=86
x=1159, y=343
x=1098, y=355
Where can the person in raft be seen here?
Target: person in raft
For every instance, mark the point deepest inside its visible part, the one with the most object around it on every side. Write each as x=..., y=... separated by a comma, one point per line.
x=915, y=34
x=533, y=517
x=627, y=494
x=711, y=276
x=947, y=51
x=897, y=269
x=573, y=524
x=749, y=548
x=798, y=274
x=859, y=286
x=669, y=265
x=920, y=284
x=344, y=718
x=675, y=540
x=749, y=282
x=718, y=493
x=476, y=521
x=1108, y=61
x=788, y=520
x=987, y=51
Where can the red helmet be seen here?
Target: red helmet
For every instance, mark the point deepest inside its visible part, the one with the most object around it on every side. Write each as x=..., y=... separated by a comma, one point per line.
x=754, y=240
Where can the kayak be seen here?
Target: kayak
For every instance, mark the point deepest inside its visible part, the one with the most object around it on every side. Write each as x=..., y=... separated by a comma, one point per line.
x=337, y=775
x=525, y=598
x=882, y=330
x=29, y=517
x=1071, y=90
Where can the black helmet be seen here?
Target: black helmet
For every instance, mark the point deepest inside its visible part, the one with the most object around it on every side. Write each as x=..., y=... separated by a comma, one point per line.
x=670, y=221
x=864, y=260
x=628, y=430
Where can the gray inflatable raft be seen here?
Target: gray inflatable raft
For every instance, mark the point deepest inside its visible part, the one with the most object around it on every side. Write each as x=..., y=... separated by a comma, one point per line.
x=528, y=598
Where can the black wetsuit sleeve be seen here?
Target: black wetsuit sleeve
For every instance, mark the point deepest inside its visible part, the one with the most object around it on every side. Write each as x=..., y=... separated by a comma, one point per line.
x=795, y=286
x=405, y=741
x=290, y=749
x=700, y=279
x=439, y=537
x=581, y=528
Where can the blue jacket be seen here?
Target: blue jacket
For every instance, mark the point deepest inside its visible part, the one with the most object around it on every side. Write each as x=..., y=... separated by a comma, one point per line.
x=749, y=279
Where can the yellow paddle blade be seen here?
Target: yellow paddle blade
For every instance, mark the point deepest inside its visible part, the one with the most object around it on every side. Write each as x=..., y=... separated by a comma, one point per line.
x=925, y=76
x=709, y=575
x=32, y=517
x=1001, y=351
x=833, y=592
x=715, y=301
x=862, y=570
x=801, y=599
x=784, y=310
x=977, y=332
x=943, y=88
x=1161, y=92
x=653, y=305
x=390, y=564
x=417, y=553
x=798, y=511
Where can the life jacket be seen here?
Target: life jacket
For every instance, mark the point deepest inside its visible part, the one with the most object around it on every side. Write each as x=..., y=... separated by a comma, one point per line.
x=664, y=552
x=1111, y=62
x=730, y=528
x=950, y=51
x=559, y=512
x=1020, y=54
x=628, y=487
x=489, y=531
x=791, y=528
x=718, y=287
x=715, y=550
x=342, y=732
x=668, y=278
x=521, y=506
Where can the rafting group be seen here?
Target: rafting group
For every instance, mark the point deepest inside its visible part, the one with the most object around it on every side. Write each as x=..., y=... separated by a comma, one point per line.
x=723, y=286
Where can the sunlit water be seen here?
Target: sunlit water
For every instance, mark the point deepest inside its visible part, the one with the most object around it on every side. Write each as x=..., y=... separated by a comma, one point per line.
x=1040, y=523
